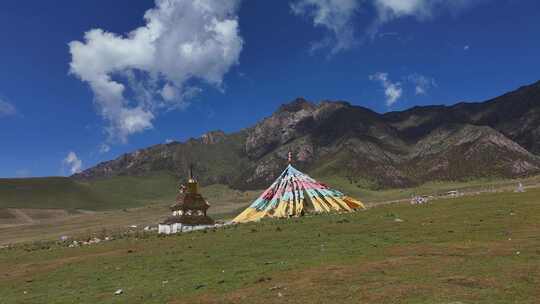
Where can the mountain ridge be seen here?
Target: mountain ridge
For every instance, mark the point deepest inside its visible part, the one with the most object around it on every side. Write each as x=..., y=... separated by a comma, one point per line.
x=496, y=138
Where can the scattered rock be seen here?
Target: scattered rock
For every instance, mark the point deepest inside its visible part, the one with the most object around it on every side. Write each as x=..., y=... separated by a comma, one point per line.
x=398, y=220
x=263, y=279
x=275, y=287
x=118, y=292
x=200, y=286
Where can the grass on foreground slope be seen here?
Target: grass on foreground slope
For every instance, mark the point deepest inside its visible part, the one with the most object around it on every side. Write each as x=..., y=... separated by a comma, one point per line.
x=107, y=194
x=431, y=188
x=65, y=193
x=475, y=249
x=135, y=191
x=225, y=203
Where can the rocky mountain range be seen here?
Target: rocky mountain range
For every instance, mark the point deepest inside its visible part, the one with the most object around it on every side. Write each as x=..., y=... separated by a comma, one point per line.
x=334, y=139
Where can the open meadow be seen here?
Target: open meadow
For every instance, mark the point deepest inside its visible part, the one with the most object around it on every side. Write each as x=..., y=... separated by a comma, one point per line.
x=258, y=152
x=48, y=208
x=472, y=249
x=48, y=223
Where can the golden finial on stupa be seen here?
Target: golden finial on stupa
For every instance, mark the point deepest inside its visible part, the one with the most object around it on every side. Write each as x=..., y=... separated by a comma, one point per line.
x=192, y=186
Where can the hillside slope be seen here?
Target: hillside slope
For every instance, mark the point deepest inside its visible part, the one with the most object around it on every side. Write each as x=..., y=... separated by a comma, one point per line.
x=103, y=194
x=472, y=249
x=494, y=139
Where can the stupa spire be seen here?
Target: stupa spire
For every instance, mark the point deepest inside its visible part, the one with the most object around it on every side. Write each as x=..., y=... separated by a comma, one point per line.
x=290, y=157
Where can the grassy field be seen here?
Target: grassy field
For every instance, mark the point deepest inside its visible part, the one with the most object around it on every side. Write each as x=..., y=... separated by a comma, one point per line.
x=47, y=208
x=434, y=188
x=473, y=249
x=65, y=193
x=50, y=224
x=136, y=191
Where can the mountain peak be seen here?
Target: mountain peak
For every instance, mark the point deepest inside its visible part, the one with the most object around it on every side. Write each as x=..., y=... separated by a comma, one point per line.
x=296, y=105
x=213, y=137
x=497, y=138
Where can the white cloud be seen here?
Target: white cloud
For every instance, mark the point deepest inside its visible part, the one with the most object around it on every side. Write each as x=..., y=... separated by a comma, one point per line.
x=7, y=109
x=466, y=48
x=104, y=148
x=422, y=84
x=133, y=77
x=392, y=90
x=334, y=15
x=388, y=10
x=169, y=92
x=72, y=163
x=168, y=140
x=337, y=16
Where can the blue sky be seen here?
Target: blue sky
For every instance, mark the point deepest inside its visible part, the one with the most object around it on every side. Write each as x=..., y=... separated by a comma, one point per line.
x=69, y=101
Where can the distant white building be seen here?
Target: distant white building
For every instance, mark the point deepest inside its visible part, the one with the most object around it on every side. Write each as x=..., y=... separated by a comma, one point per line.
x=169, y=228
x=453, y=193
x=188, y=212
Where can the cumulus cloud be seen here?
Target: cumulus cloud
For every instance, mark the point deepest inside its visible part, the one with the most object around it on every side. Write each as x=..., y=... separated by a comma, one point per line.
x=466, y=48
x=104, y=148
x=168, y=140
x=392, y=90
x=336, y=16
x=72, y=163
x=388, y=10
x=154, y=66
x=6, y=108
x=422, y=84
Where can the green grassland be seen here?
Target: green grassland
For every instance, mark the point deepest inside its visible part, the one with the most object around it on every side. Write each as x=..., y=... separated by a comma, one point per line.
x=50, y=224
x=122, y=192
x=435, y=188
x=47, y=208
x=472, y=249
x=65, y=193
